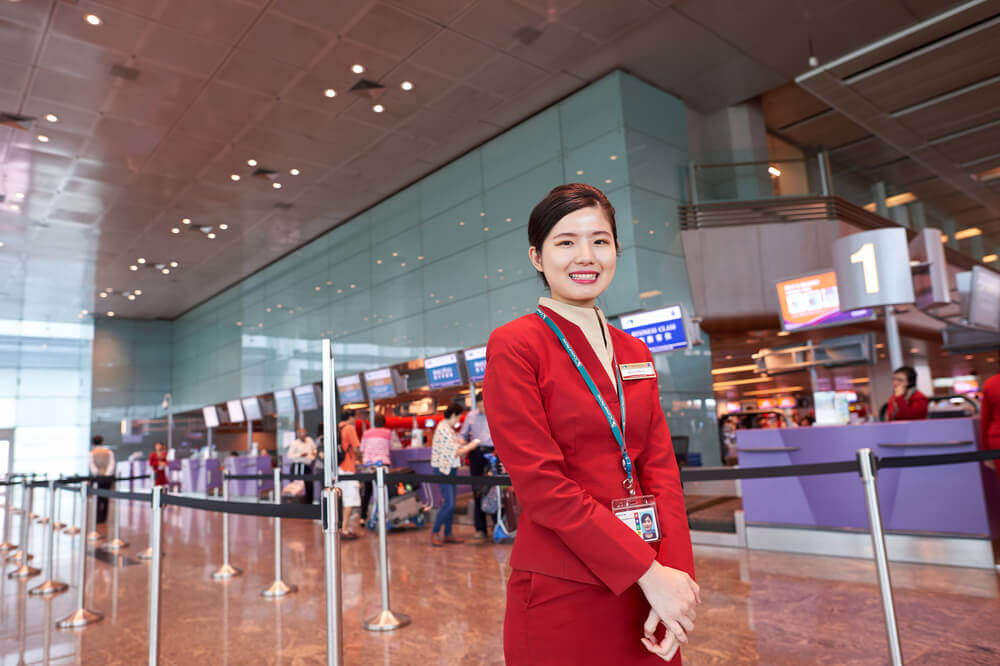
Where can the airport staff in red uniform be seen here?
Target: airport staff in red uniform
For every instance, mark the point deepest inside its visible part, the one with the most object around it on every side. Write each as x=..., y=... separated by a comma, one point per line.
x=906, y=403
x=989, y=418
x=602, y=564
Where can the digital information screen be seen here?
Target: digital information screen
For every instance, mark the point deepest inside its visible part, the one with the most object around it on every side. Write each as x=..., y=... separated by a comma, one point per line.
x=812, y=301
x=349, y=389
x=235, y=408
x=379, y=383
x=475, y=363
x=305, y=397
x=251, y=409
x=442, y=371
x=211, y=415
x=283, y=402
x=984, y=299
x=661, y=330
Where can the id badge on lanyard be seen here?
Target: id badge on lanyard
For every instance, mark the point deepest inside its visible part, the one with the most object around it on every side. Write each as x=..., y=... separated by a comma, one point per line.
x=637, y=512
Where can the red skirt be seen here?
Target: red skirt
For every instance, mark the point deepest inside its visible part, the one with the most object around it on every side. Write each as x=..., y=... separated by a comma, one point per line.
x=553, y=621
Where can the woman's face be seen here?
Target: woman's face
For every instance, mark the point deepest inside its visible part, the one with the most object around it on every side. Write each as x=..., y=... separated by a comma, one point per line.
x=453, y=419
x=578, y=257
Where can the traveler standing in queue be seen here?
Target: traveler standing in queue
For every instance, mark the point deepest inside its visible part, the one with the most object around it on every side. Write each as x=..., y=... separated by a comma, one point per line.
x=158, y=463
x=102, y=465
x=301, y=453
x=585, y=442
x=906, y=403
x=989, y=418
x=446, y=458
x=476, y=427
x=350, y=491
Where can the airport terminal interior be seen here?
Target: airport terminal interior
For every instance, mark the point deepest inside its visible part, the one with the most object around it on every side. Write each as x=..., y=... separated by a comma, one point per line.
x=233, y=232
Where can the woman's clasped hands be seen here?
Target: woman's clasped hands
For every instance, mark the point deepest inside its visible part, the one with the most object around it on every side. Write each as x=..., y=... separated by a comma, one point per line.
x=672, y=595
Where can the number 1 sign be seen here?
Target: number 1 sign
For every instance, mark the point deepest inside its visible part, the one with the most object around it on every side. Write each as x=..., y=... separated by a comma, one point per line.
x=873, y=269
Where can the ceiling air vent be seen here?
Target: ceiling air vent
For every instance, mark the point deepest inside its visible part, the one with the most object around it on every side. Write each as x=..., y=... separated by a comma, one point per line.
x=261, y=172
x=527, y=35
x=16, y=120
x=123, y=72
x=367, y=88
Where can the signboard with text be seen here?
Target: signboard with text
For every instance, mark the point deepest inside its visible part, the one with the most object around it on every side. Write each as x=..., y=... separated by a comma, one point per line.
x=349, y=389
x=661, y=330
x=812, y=301
x=873, y=269
x=475, y=363
x=443, y=371
x=379, y=384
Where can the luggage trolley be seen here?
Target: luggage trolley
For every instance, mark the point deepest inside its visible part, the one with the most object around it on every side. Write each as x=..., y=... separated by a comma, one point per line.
x=501, y=501
x=405, y=506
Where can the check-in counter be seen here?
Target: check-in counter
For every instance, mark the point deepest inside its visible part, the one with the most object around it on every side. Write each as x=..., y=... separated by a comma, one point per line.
x=249, y=465
x=959, y=503
x=419, y=460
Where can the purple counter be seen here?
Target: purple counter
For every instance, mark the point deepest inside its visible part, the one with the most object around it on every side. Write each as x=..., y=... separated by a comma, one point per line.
x=957, y=500
x=419, y=459
x=248, y=465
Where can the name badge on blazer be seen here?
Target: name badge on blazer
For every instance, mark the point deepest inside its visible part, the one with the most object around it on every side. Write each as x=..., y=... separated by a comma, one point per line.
x=637, y=371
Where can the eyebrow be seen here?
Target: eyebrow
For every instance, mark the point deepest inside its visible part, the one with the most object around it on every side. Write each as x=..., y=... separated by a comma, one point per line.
x=599, y=232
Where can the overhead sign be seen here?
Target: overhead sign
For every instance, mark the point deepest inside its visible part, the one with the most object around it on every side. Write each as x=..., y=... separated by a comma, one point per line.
x=475, y=363
x=984, y=299
x=812, y=301
x=305, y=397
x=930, y=275
x=235, y=409
x=283, y=403
x=442, y=371
x=379, y=383
x=251, y=409
x=873, y=269
x=211, y=415
x=661, y=330
x=349, y=389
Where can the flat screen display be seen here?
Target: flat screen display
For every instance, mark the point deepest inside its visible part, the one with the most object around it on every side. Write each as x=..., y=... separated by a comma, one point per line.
x=284, y=404
x=732, y=408
x=305, y=397
x=349, y=389
x=442, y=371
x=211, y=415
x=984, y=299
x=475, y=363
x=251, y=409
x=767, y=403
x=786, y=403
x=811, y=301
x=661, y=330
x=235, y=408
x=379, y=384
x=832, y=408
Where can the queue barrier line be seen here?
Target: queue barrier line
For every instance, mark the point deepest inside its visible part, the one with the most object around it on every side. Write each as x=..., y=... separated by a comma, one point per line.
x=896, y=462
x=262, y=509
x=122, y=495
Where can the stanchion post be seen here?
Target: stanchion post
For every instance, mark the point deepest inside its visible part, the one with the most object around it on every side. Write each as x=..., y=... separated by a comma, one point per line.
x=227, y=570
x=58, y=524
x=21, y=555
x=51, y=585
x=278, y=588
x=116, y=543
x=81, y=617
x=74, y=529
x=91, y=509
x=869, y=472
x=334, y=589
x=7, y=546
x=386, y=620
x=154, y=574
x=148, y=553
x=45, y=519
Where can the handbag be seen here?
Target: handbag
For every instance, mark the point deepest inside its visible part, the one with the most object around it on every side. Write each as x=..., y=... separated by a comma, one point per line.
x=489, y=503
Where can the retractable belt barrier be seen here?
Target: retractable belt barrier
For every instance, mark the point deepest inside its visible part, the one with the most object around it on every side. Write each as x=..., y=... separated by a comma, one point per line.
x=261, y=509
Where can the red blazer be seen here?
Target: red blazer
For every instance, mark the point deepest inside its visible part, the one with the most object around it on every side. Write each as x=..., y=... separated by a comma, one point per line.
x=565, y=464
x=913, y=408
x=989, y=415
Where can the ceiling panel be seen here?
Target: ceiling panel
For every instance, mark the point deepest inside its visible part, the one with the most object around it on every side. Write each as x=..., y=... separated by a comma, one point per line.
x=866, y=153
x=974, y=106
x=215, y=20
x=829, y=129
x=453, y=54
x=173, y=48
x=120, y=31
x=971, y=144
x=391, y=31
x=285, y=40
x=17, y=43
x=335, y=16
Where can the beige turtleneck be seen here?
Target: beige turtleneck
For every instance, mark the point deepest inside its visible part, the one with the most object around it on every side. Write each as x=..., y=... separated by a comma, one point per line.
x=594, y=326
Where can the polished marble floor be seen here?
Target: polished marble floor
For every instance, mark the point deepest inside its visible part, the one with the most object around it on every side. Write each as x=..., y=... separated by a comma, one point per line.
x=758, y=607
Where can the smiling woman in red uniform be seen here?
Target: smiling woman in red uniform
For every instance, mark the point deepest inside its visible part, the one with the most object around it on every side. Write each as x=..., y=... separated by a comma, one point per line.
x=589, y=585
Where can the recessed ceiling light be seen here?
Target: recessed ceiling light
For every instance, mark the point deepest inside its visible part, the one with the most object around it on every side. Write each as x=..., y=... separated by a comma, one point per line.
x=133, y=267
x=94, y=19
x=330, y=92
x=223, y=226
x=103, y=295
x=211, y=236
x=612, y=157
x=234, y=177
x=251, y=162
x=175, y=230
x=406, y=85
x=131, y=297
x=166, y=271
x=378, y=108
x=83, y=312
x=174, y=264
x=1, y=243
x=137, y=292
x=15, y=207
x=294, y=172
x=51, y=117
x=186, y=220
x=358, y=69
x=110, y=313
x=43, y=138
x=19, y=195
x=276, y=186
x=141, y=260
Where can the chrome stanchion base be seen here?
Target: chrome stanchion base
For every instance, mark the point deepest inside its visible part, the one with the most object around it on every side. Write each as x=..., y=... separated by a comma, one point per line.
x=32, y=515
x=80, y=618
x=58, y=526
x=146, y=554
x=7, y=546
x=386, y=621
x=95, y=536
x=44, y=520
x=16, y=511
x=227, y=571
x=47, y=588
x=114, y=546
x=24, y=571
x=17, y=556
x=72, y=530
x=278, y=589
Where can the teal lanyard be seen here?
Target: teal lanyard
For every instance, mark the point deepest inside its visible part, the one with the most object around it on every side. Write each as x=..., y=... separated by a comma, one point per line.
x=615, y=430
